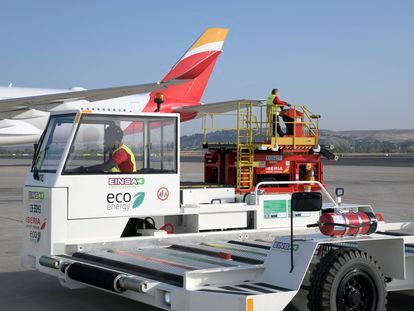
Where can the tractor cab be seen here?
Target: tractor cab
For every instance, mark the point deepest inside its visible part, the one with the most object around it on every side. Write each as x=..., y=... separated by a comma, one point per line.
x=62, y=190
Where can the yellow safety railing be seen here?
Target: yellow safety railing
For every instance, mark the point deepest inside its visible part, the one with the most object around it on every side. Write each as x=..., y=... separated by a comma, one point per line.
x=245, y=148
x=209, y=121
x=262, y=123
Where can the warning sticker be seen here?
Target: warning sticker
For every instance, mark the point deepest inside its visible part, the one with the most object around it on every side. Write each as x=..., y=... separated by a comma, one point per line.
x=163, y=194
x=276, y=208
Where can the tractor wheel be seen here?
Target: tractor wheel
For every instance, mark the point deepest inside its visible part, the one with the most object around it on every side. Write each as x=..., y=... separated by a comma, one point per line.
x=347, y=280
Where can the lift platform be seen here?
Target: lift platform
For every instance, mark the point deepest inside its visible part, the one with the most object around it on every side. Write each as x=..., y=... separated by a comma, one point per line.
x=255, y=151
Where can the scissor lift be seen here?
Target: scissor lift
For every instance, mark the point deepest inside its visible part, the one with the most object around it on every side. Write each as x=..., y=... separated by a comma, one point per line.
x=255, y=152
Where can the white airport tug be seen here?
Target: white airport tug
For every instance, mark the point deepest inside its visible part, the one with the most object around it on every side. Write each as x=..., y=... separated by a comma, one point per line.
x=145, y=236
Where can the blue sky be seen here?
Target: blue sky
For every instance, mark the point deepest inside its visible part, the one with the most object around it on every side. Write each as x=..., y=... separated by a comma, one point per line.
x=350, y=61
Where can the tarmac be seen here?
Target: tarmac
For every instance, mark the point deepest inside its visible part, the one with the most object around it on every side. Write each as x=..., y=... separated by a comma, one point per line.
x=388, y=188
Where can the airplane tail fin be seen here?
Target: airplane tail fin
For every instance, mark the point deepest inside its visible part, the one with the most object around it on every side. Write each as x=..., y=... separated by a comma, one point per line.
x=196, y=65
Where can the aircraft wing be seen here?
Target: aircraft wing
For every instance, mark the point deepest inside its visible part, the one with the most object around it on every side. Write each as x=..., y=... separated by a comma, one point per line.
x=219, y=107
x=89, y=95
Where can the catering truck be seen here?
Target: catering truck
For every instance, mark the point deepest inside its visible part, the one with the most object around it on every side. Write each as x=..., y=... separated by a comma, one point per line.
x=145, y=235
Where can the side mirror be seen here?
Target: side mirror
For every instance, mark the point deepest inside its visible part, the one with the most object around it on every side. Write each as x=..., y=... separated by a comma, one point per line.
x=306, y=201
x=339, y=192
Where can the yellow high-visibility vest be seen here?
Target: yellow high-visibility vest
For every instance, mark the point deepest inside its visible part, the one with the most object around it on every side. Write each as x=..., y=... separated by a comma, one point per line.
x=116, y=169
x=271, y=107
x=270, y=99
x=270, y=104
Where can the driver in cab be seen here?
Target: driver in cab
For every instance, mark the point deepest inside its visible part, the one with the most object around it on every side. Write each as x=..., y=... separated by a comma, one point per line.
x=122, y=159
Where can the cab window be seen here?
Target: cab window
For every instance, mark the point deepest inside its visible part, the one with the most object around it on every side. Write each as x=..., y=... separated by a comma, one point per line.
x=142, y=145
x=50, y=149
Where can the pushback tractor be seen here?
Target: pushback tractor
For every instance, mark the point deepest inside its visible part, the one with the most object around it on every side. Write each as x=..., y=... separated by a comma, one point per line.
x=250, y=244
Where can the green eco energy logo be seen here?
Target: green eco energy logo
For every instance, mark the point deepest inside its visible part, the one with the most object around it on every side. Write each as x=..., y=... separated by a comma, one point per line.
x=138, y=199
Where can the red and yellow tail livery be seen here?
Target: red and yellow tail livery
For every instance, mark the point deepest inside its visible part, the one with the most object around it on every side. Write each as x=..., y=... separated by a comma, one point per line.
x=195, y=65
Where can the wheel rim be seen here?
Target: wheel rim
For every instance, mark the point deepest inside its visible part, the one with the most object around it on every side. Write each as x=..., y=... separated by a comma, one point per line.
x=356, y=292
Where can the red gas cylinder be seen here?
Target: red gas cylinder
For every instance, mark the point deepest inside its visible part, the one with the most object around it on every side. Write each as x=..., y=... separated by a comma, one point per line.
x=339, y=224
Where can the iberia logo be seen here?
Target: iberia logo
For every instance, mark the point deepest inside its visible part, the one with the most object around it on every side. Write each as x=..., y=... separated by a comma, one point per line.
x=42, y=227
x=138, y=199
x=43, y=224
x=36, y=233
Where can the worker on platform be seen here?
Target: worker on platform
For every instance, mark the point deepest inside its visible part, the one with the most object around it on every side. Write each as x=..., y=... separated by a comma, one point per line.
x=274, y=107
x=122, y=159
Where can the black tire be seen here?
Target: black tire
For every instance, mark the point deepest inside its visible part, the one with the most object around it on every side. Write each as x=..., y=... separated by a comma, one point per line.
x=290, y=307
x=347, y=280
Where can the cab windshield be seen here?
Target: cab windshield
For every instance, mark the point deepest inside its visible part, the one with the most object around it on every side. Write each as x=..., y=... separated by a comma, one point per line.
x=108, y=144
x=49, y=153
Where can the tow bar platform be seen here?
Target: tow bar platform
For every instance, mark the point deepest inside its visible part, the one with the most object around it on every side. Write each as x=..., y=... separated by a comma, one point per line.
x=239, y=273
